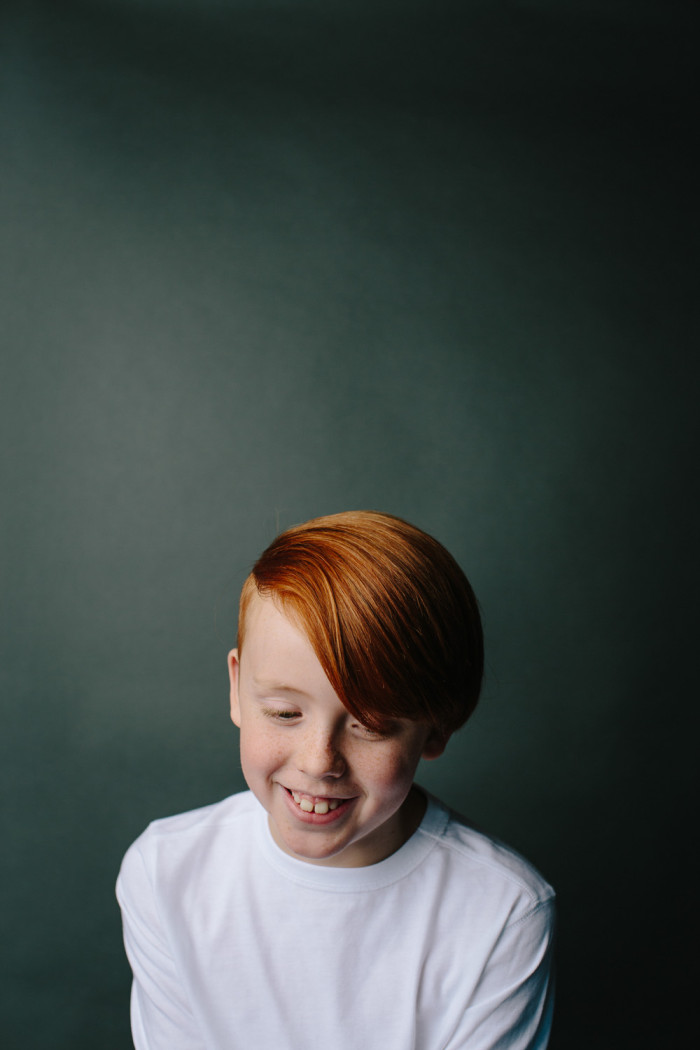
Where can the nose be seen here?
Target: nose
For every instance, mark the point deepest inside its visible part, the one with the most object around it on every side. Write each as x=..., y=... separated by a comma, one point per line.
x=319, y=754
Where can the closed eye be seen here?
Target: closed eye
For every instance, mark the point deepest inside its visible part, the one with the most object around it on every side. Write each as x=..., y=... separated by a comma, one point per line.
x=280, y=715
x=374, y=734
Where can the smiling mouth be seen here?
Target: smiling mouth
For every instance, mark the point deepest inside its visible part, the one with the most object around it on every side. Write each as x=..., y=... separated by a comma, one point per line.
x=315, y=803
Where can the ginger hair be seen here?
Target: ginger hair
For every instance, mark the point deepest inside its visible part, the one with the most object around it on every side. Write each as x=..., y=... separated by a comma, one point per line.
x=389, y=613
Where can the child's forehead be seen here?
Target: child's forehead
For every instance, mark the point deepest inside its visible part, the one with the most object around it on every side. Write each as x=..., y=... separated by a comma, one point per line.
x=276, y=651
x=267, y=613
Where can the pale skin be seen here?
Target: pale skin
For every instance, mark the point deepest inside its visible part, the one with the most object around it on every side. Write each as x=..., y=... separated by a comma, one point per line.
x=336, y=793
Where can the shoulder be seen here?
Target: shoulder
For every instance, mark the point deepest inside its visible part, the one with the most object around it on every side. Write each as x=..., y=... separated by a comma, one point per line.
x=490, y=873
x=225, y=813
x=172, y=845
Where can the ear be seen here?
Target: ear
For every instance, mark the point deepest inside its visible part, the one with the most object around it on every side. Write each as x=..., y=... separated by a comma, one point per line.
x=435, y=743
x=233, y=673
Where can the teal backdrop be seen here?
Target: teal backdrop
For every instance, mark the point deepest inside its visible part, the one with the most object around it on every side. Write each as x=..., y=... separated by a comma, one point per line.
x=264, y=261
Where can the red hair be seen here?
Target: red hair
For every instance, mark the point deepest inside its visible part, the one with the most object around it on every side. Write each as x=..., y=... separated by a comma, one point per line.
x=389, y=613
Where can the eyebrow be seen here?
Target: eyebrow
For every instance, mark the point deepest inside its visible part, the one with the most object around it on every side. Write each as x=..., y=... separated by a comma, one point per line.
x=269, y=686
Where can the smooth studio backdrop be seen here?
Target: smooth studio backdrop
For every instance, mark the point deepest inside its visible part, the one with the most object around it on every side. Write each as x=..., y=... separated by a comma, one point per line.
x=263, y=261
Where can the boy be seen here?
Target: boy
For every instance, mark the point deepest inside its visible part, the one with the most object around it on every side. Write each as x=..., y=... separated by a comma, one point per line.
x=335, y=905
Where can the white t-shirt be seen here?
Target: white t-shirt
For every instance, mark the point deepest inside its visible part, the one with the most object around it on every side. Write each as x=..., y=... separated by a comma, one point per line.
x=235, y=945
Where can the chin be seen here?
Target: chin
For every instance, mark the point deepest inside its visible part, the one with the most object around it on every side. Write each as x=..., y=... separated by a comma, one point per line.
x=308, y=850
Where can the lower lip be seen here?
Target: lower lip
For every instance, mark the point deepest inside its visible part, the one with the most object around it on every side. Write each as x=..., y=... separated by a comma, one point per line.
x=317, y=818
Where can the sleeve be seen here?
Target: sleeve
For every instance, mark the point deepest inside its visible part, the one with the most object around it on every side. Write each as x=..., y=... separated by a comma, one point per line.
x=512, y=1007
x=161, y=1018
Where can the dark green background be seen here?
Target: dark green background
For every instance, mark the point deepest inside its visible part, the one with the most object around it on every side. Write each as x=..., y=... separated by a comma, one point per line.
x=262, y=261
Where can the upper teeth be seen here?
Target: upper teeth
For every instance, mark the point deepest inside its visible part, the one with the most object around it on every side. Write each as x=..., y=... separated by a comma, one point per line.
x=318, y=807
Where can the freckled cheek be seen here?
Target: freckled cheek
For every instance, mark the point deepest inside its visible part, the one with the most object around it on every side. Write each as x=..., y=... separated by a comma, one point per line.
x=260, y=755
x=390, y=772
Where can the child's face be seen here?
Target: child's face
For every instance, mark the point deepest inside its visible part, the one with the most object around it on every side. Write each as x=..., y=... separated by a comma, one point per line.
x=336, y=793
